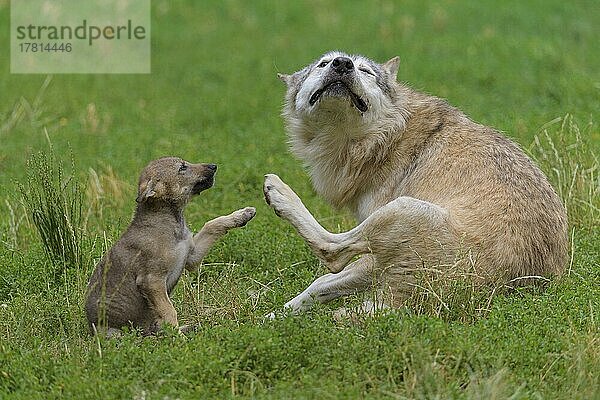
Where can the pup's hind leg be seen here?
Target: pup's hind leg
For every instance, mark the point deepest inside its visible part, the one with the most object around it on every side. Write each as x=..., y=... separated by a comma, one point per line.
x=215, y=229
x=109, y=333
x=355, y=278
x=406, y=232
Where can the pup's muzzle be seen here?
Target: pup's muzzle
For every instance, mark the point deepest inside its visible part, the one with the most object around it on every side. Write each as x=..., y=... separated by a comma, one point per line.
x=206, y=180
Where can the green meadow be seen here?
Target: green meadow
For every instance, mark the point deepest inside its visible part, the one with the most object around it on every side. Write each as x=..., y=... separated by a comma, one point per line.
x=77, y=144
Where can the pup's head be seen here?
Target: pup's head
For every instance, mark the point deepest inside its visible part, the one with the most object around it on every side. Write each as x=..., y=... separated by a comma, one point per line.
x=340, y=87
x=173, y=180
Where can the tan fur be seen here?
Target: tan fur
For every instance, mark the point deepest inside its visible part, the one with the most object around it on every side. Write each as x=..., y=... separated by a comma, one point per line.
x=425, y=183
x=132, y=282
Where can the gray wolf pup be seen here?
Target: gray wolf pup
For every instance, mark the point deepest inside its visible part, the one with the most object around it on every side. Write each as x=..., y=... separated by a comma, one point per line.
x=132, y=282
x=428, y=186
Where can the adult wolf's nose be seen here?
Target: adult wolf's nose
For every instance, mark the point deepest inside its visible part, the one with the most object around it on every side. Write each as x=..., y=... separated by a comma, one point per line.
x=342, y=65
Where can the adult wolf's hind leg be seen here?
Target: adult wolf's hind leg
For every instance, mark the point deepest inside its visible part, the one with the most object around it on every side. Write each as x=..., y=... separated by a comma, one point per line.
x=406, y=232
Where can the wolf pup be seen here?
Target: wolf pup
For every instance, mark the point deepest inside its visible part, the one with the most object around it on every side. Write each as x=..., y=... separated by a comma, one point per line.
x=426, y=184
x=132, y=282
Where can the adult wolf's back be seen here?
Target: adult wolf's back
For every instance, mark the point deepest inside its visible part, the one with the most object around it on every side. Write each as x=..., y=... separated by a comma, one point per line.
x=425, y=182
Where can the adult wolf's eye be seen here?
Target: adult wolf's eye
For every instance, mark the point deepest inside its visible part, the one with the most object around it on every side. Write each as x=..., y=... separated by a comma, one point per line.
x=366, y=71
x=183, y=167
x=322, y=64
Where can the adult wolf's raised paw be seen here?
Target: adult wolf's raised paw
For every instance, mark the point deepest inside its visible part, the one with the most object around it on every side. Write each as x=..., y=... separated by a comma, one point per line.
x=280, y=196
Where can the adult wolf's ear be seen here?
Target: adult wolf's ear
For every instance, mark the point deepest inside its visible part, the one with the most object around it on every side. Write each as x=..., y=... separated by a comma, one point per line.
x=292, y=79
x=391, y=66
x=285, y=78
x=148, y=189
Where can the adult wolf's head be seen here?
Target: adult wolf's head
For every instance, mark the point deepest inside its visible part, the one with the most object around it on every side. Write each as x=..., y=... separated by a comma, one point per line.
x=343, y=112
x=340, y=89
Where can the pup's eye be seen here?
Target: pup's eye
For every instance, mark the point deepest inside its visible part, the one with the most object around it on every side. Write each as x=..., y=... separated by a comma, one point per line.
x=323, y=64
x=183, y=167
x=366, y=71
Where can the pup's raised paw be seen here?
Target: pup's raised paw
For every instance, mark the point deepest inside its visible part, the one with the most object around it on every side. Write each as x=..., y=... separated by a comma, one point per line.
x=280, y=196
x=241, y=217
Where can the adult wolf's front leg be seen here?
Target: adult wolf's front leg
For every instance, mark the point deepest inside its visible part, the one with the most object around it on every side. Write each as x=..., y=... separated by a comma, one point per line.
x=355, y=278
x=406, y=232
x=215, y=229
x=336, y=250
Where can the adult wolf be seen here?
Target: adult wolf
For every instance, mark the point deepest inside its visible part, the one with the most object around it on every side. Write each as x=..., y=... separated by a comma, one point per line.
x=426, y=184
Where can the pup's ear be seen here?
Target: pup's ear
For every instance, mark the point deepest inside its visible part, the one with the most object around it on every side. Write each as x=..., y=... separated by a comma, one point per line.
x=287, y=79
x=391, y=66
x=147, y=189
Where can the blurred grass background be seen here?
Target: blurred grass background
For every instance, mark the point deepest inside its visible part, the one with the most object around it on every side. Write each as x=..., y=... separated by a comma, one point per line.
x=213, y=96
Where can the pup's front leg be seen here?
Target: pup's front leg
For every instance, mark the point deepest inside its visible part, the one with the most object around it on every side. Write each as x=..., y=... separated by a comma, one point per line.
x=214, y=229
x=154, y=289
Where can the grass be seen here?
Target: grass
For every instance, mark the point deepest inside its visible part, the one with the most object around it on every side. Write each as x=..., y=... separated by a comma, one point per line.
x=527, y=68
x=55, y=205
